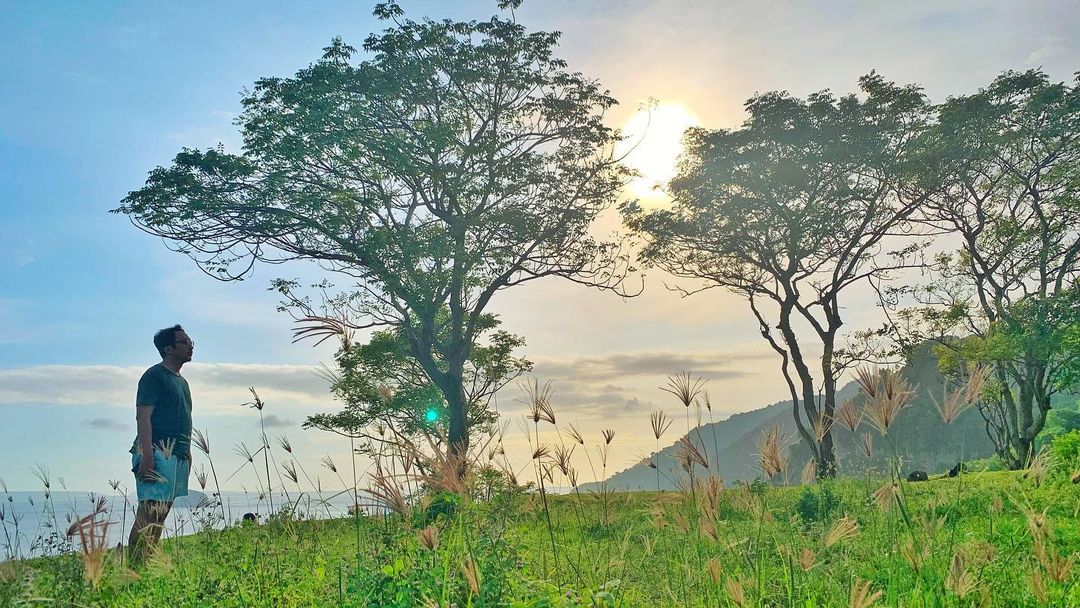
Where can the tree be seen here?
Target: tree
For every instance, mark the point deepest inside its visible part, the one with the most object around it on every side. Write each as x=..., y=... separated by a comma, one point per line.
x=789, y=212
x=386, y=392
x=459, y=159
x=1009, y=157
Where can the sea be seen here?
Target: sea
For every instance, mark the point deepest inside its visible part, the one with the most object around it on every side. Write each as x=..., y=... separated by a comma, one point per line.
x=35, y=524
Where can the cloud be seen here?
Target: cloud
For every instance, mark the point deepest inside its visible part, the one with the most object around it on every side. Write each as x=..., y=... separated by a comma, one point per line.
x=1051, y=48
x=107, y=424
x=216, y=387
x=274, y=421
x=708, y=365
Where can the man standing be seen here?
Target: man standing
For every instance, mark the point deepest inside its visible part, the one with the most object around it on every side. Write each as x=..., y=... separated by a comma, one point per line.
x=163, y=418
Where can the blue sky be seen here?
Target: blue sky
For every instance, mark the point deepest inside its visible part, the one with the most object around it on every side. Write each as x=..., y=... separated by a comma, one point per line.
x=95, y=94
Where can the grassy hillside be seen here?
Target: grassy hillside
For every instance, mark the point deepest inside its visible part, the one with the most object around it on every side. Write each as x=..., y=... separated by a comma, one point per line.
x=984, y=539
x=919, y=437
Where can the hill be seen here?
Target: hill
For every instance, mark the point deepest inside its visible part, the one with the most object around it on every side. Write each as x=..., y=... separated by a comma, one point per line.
x=919, y=437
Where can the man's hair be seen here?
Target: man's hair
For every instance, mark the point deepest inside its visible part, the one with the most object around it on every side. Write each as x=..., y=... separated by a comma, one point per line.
x=166, y=337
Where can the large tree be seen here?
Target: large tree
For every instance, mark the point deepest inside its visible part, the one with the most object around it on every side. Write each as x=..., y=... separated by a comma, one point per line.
x=1006, y=293
x=790, y=211
x=456, y=160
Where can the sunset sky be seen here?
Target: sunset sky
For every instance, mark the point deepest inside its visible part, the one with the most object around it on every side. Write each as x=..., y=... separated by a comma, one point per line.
x=96, y=94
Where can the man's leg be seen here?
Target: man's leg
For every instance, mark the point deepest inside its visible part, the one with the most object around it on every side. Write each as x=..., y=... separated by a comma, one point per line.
x=146, y=531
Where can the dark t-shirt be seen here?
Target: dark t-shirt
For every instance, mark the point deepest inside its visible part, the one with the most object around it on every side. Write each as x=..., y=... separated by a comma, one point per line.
x=168, y=392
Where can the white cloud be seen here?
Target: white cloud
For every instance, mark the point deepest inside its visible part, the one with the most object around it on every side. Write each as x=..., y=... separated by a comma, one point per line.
x=218, y=387
x=1052, y=47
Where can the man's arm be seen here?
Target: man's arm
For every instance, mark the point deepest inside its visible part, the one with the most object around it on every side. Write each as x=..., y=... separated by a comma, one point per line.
x=145, y=439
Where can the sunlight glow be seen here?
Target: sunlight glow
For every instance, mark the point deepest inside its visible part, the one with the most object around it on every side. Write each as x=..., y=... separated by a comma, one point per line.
x=653, y=144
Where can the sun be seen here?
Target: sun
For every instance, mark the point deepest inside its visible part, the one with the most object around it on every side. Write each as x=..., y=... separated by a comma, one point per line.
x=652, y=144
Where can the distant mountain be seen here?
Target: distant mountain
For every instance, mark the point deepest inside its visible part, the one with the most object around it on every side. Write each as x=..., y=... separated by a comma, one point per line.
x=918, y=436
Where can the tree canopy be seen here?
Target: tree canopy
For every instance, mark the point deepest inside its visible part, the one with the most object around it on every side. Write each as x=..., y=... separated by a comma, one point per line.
x=455, y=160
x=789, y=211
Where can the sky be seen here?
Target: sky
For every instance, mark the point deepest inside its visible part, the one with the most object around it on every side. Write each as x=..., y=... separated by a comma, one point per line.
x=96, y=94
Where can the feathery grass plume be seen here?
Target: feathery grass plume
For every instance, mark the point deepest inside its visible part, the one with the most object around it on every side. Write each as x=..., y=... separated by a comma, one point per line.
x=844, y=528
x=1053, y=564
x=1038, y=587
x=714, y=570
x=821, y=425
x=685, y=388
x=574, y=434
x=429, y=538
x=468, y=568
x=861, y=597
x=867, y=444
x=608, y=435
x=658, y=516
x=885, y=496
x=93, y=541
x=243, y=452
x=660, y=423
x=323, y=328
x=848, y=414
x=708, y=528
x=807, y=559
x=809, y=472
x=913, y=557
x=713, y=486
x=562, y=457
x=538, y=398
x=201, y=441
x=689, y=455
x=956, y=402
x=682, y=522
x=736, y=591
x=541, y=451
x=867, y=380
x=256, y=402
x=200, y=476
x=883, y=409
x=387, y=493
x=959, y=580
x=930, y=524
x=329, y=463
x=290, y=471
x=1039, y=466
x=770, y=452
x=283, y=441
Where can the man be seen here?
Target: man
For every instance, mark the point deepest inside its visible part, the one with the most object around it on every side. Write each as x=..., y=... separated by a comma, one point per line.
x=163, y=419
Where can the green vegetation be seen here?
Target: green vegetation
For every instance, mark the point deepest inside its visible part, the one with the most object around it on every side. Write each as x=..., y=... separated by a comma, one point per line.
x=984, y=539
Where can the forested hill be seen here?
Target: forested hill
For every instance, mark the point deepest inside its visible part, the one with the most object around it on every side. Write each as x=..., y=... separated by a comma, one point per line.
x=919, y=436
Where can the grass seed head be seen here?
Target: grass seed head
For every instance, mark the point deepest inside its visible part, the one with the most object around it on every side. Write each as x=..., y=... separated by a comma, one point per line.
x=807, y=559
x=736, y=591
x=959, y=580
x=770, y=452
x=714, y=570
x=201, y=441
x=847, y=414
x=861, y=596
x=685, y=388
x=660, y=422
x=429, y=538
x=844, y=528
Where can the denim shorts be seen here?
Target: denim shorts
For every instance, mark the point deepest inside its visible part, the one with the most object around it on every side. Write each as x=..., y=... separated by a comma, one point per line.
x=171, y=478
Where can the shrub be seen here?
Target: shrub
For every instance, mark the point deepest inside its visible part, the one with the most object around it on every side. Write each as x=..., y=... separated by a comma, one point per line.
x=817, y=505
x=1066, y=448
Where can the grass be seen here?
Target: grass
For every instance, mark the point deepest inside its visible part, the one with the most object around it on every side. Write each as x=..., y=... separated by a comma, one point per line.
x=984, y=539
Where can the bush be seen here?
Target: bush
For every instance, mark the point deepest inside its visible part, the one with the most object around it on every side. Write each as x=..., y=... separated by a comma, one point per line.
x=817, y=506
x=1066, y=448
